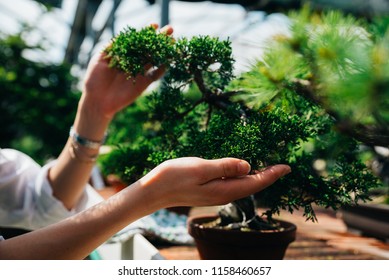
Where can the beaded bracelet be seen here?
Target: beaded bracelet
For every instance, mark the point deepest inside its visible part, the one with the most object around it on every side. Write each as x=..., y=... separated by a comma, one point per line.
x=86, y=142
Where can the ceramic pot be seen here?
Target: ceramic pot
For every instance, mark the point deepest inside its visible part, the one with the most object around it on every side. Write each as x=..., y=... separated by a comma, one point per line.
x=221, y=244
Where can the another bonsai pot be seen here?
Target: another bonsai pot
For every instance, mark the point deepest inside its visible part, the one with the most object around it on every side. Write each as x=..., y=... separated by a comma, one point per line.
x=221, y=244
x=370, y=219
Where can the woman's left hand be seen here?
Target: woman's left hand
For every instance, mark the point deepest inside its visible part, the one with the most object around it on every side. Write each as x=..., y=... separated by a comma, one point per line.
x=108, y=90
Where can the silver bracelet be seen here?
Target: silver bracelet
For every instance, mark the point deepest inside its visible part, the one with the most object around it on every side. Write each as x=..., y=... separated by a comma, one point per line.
x=86, y=142
x=76, y=153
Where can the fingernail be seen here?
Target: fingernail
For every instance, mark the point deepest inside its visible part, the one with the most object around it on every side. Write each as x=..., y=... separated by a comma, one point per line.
x=286, y=170
x=243, y=167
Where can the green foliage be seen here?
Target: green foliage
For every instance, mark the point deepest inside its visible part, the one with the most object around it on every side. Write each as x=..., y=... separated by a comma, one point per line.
x=204, y=58
x=335, y=61
x=263, y=139
x=265, y=116
x=127, y=51
x=130, y=163
x=37, y=101
x=129, y=124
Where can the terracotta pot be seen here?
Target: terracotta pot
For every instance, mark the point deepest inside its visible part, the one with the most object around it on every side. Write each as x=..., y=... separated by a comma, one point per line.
x=220, y=244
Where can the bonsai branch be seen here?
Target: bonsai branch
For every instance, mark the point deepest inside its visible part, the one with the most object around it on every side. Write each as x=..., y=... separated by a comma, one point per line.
x=368, y=134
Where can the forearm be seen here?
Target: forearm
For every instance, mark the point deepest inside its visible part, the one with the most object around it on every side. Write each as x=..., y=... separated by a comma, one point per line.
x=179, y=182
x=76, y=237
x=70, y=174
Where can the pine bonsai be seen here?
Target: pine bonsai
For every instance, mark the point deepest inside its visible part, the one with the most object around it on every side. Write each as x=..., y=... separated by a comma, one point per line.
x=311, y=102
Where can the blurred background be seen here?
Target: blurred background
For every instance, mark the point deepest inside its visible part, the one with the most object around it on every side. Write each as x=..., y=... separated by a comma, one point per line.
x=45, y=47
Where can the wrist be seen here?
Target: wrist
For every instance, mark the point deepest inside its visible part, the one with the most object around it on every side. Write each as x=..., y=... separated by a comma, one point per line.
x=83, y=149
x=80, y=140
x=90, y=122
x=137, y=200
x=160, y=190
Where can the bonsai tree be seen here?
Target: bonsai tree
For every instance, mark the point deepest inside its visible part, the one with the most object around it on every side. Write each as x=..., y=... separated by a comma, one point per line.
x=311, y=102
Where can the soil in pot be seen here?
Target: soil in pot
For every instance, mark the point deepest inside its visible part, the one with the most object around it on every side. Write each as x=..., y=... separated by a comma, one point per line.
x=222, y=244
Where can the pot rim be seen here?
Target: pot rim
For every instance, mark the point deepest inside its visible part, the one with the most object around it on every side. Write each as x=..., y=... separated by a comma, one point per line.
x=196, y=221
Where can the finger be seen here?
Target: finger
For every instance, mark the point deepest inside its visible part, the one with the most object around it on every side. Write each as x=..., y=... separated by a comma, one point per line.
x=147, y=67
x=269, y=175
x=266, y=177
x=231, y=189
x=167, y=30
x=225, y=168
x=154, y=25
x=142, y=81
x=151, y=74
x=155, y=73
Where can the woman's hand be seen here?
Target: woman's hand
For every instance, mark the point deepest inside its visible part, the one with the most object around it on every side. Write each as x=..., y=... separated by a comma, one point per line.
x=199, y=182
x=108, y=90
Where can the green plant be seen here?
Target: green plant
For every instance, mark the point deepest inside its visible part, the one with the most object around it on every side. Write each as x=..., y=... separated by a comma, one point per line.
x=286, y=109
x=38, y=101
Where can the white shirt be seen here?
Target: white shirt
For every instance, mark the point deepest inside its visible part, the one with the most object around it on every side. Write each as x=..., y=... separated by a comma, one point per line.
x=26, y=197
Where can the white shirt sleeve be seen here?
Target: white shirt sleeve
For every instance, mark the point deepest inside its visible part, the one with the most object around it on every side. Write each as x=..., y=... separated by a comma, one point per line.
x=26, y=197
x=49, y=209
